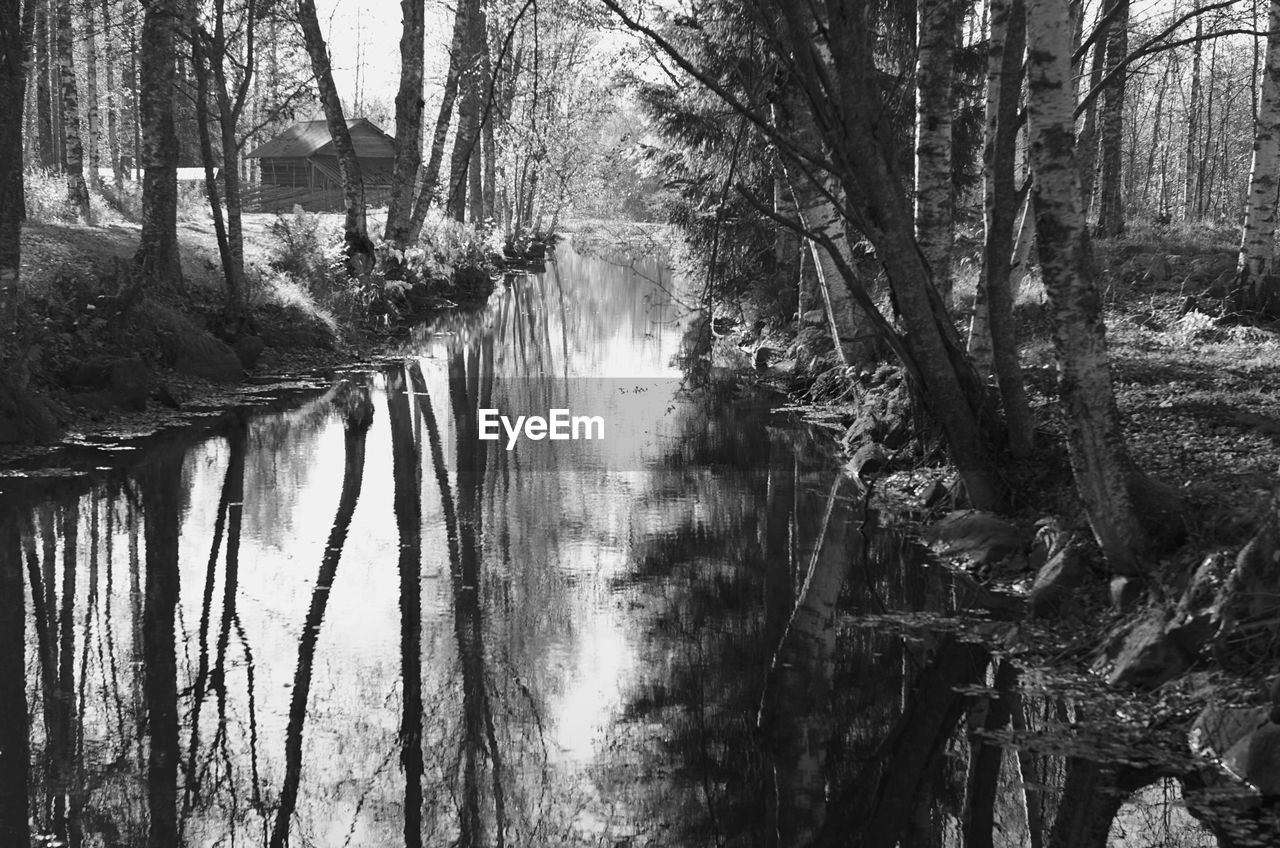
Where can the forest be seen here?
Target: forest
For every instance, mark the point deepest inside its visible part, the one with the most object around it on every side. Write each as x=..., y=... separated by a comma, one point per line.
x=1009, y=264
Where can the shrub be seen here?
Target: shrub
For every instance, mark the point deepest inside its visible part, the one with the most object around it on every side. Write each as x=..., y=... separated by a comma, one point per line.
x=309, y=249
x=46, y=196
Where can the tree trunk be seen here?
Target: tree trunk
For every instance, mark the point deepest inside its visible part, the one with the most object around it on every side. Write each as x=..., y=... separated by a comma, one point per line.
x=1111, y=191
x=161, y=485
x=483, y=97
x=949, y=384
x=44, y=94
x=359, y=417
x=1099, y=458
x=995, y=297
x=875, y=808
x=936, y=28
x=77, y=189
x=408, y=144
x=1087, y=145
x=200, y=68
x=14, y=725
x=157, y=254
x=230, y=108
x=111, y=47
x=1092, y=795
x=406, y=462
x=983, y=782
x=1256, y=290
x=431, y=174
x=817, y=214
x=16, y=20
x=488, y=148
x=92, y=121
x=468, y=133
x=795, y=711
x=354, y=225
x=1190, y=208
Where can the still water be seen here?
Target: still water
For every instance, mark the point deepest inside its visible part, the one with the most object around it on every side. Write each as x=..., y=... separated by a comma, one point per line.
x=346, y=620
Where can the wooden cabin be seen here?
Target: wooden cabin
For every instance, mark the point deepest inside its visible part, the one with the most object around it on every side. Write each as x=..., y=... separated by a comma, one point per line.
x=300, y=167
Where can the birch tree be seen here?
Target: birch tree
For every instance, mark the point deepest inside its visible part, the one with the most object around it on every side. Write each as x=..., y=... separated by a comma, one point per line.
x=936, y=28
x=1190, y=206
x=1099, y=457
x=355, y=227
x=77, y=189
x=430, y=187
x=1111, y=185
x=92, y=125
x=995, y=296
x=1256, y=289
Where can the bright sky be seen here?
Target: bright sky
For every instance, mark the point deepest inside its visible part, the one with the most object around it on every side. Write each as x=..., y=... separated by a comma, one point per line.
x=364, y=35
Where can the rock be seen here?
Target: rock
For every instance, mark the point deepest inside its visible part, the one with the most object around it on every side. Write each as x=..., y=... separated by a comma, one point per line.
x=1126, y=592
x=248, y=349
x=933, y=494
x=765, y=356
x=1250, y=599
x=1256, y=758
x=1147, y=657
x=868, y=458
x=129, y=382
x=191, y=349
x=1058, y=578
x=24, y=416
x=981, y=537
x=1219, y=728
x=1197, y=617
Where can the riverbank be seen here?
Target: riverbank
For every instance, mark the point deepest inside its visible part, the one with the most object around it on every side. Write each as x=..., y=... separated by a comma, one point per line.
x=1191, y=646
x=95, y=360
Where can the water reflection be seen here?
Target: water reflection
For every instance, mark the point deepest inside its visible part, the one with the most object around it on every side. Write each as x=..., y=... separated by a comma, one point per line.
x=355, y=623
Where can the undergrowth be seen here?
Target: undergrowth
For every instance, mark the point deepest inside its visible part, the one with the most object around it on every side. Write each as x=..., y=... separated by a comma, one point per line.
x=450, y=263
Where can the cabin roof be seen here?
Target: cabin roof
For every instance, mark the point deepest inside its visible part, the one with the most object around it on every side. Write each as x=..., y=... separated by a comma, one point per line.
x=311, y=138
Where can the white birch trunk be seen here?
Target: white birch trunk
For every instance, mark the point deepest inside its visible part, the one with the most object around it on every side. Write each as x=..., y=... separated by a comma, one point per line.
x=1099, y=459
x=933, y=201
x=1256, y=291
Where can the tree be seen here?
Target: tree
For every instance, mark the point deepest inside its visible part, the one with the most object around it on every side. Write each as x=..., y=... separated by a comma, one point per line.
x=1256, y=289
x=936, y=34
x=428, y=190
x=157, y=254
x=213, y=49
x=409, y=106
x=16, y=22
x=995, y=295
x=1095, y=442
x=1111, y=187
x=468, y=131
x=355, y=228
x=77, y=189
x=14, y=725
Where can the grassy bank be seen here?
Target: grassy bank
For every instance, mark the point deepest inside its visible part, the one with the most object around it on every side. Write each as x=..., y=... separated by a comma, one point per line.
x=99, y=350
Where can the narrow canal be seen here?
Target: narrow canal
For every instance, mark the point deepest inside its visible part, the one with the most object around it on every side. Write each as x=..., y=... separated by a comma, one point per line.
x=350, y=620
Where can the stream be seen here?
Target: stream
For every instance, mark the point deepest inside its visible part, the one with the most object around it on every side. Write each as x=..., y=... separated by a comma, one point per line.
x=346, y=619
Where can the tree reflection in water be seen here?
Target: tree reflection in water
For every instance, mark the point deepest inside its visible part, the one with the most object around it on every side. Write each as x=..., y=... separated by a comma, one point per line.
x=707, y=638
